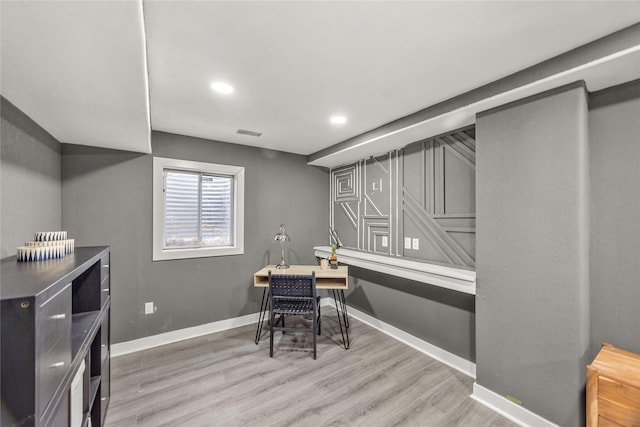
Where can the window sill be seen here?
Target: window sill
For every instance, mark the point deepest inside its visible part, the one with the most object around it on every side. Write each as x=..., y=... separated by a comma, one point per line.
x=169, y=254
x=447, y=277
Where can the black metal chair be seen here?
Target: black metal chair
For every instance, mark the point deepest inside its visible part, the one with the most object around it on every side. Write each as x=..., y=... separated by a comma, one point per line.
x=293, y=295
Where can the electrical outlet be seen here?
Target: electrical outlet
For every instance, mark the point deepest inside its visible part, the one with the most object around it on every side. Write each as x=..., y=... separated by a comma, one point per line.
x=416, y=244
x=407, y=242
x=385, y=241
x=148, y=308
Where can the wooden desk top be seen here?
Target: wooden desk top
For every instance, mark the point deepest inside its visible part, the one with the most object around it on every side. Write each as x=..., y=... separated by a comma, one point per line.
x=325, y=279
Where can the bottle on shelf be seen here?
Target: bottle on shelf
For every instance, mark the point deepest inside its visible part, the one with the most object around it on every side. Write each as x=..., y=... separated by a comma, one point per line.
x=333, y=260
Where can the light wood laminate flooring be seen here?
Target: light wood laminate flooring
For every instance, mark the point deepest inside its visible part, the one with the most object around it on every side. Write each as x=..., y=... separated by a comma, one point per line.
x=224, y=379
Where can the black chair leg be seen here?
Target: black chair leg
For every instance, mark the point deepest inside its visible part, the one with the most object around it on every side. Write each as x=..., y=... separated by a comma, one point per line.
x=314, y=343
x=271, y=343
x=271, y=326
x=319, y=317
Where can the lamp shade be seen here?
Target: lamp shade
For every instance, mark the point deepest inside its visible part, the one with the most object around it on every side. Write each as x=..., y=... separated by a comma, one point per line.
x=282, y=236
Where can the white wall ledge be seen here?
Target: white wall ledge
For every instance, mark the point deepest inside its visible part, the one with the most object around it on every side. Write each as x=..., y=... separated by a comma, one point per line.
x=452, y=278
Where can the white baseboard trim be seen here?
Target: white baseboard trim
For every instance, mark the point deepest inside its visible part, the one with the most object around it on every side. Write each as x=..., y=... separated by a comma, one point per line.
x=450, y=359
x=508, y=409
x=145, y=343
x=456, y=362
x=327, y=301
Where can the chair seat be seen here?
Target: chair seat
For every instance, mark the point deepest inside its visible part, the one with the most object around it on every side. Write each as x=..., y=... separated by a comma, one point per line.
x=294, y=307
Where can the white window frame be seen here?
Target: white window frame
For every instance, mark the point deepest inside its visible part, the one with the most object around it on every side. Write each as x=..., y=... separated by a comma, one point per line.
x=160, y=164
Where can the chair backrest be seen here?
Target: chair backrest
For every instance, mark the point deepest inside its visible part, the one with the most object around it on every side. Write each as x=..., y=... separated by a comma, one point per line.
x=292, y=286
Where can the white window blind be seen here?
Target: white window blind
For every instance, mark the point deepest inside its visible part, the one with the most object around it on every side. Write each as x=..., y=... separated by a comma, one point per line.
x=197, y=210
x=216, y=214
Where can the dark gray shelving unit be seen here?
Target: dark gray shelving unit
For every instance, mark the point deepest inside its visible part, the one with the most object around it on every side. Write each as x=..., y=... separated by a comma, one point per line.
x=55, y=317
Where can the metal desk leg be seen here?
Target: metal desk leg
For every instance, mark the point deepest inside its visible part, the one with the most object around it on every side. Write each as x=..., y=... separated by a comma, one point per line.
x=341, y=314
x=263, y=313
x=343, y=302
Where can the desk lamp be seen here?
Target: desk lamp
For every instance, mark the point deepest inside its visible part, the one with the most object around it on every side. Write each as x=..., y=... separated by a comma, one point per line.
x=282, y=237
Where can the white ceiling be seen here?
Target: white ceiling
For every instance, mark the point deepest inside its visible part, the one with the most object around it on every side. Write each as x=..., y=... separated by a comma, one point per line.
x=105, y=73
x=78, y=69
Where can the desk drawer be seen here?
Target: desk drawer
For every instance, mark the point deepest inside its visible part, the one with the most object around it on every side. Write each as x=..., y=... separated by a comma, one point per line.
x=618, y=402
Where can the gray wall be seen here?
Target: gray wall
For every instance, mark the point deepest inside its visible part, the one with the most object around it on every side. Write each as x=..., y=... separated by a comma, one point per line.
x=437, y=315
x=107, y=201
x=30, y=181
x=532, y=302
x=614, y=139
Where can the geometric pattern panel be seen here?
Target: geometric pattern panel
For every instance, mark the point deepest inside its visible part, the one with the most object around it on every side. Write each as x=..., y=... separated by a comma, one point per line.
x=376, y=185
x=346, y=183
x=345, y=221
x=458, y=173
x=424, y=191
x=376, y=235
x=466, y=241
x=414, y=178
x=345, y=207
x=436, y=235
x=429, y=248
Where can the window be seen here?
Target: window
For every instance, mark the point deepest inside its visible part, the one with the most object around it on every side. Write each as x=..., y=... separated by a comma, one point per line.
x=198, y=209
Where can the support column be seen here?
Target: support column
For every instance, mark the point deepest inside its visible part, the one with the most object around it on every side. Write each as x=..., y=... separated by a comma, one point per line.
x=532, y=259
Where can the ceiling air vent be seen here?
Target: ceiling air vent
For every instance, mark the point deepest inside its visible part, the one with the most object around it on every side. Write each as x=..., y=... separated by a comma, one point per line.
x=248, y=132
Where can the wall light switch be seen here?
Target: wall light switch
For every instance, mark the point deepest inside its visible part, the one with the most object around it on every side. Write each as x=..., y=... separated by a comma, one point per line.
x=376, y=186
x=416, y=244
x=407, y=242
x=148, y=308
x=385, y=241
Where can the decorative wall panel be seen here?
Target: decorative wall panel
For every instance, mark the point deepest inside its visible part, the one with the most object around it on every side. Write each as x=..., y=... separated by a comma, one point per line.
x=345, y=183
x=417, y=202
x=345, y=205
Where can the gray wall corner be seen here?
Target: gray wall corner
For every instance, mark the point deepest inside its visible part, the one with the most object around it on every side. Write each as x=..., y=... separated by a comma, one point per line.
x=30, y=179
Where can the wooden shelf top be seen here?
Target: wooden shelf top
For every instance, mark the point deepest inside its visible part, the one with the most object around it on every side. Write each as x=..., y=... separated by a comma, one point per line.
x=619, y=364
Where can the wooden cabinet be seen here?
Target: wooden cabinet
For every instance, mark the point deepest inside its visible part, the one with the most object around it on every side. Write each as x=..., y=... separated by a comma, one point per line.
x=613, y=388
x=55, y=319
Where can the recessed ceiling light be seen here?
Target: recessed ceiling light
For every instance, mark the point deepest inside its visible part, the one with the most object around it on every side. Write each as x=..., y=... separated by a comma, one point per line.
x=338, y=120
x=222, y=87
